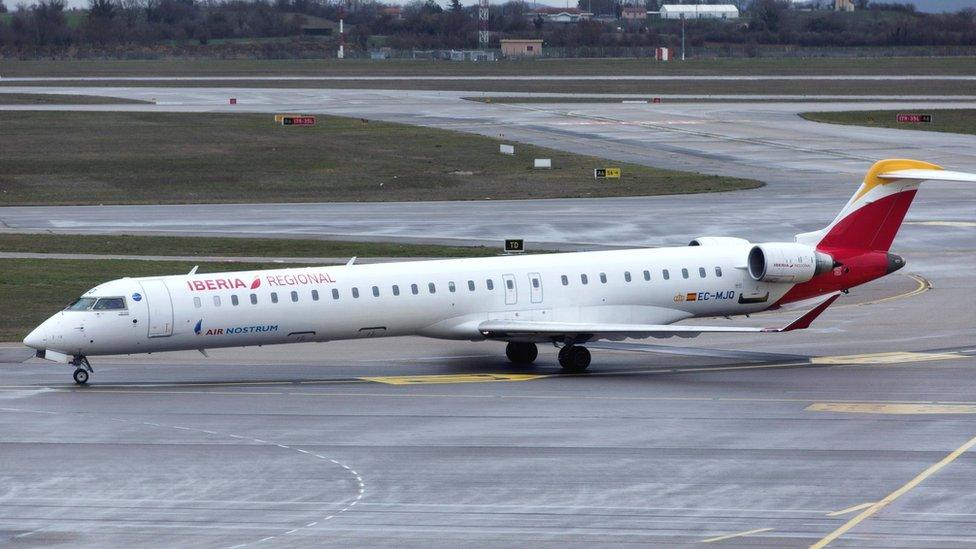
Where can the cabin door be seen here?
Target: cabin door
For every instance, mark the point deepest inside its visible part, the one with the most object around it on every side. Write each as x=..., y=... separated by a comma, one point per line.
x=160, y=307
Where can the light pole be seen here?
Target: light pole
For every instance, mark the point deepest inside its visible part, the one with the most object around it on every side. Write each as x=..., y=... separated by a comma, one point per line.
x=682, y=36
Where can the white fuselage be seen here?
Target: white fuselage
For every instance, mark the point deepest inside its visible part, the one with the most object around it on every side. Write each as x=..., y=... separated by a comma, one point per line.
x=428, y=298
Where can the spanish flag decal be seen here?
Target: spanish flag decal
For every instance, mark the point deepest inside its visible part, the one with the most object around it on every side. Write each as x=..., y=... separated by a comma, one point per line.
x=692, y=296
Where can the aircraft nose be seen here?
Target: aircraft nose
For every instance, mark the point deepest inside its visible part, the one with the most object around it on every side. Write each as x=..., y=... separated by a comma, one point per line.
x=37, y=339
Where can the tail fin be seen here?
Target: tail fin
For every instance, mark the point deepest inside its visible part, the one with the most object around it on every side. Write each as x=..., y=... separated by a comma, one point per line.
x=871, y=218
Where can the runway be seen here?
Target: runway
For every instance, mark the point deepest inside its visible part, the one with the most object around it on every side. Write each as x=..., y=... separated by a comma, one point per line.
x=451, y=445
x=855, y=432
x=823, y=163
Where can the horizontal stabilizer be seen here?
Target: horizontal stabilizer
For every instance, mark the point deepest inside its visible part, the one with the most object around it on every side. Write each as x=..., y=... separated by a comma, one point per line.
x=929, y=175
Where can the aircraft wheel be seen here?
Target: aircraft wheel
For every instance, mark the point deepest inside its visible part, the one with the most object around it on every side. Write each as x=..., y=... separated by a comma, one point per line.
x=574, y=359
x=81, y=376
x=521, y=353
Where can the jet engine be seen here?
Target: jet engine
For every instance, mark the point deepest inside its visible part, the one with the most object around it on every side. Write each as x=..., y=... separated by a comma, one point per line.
x=787, y=262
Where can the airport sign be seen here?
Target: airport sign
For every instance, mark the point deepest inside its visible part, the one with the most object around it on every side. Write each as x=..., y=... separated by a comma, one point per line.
x=298, y=121
x=914, y=118
x=514, y=245
x=606, y=173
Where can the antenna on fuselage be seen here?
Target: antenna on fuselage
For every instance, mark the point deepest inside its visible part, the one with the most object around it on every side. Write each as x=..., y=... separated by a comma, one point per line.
x=193, y=270
x=351, y=261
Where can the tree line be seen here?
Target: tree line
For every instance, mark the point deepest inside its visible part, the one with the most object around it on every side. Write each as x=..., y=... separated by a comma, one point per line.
x=112, y=27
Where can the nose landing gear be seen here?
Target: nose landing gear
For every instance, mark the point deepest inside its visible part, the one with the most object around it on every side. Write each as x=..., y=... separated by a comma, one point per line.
x=82, y=370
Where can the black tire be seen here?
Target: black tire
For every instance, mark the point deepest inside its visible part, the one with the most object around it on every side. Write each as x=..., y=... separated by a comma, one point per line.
x=521, y=353
x=81, y=376
x=575, y=360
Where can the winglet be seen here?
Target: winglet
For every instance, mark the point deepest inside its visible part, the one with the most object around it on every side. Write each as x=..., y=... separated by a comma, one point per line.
x=804, y=321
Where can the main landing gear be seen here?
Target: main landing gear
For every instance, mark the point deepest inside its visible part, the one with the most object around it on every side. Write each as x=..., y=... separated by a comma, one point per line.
x=82, y=370
x=521, y=353
x=574, y=359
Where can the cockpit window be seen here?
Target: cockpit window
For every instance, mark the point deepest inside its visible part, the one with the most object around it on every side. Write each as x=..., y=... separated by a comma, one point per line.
x=81, y=304
x=109, y=304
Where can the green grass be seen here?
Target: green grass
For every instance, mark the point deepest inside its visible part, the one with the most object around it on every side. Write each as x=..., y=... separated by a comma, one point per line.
x=239, y=247
x=527, y=67
x=101, y=158
x=943, y=120
x=61, y=99
x=33, y=289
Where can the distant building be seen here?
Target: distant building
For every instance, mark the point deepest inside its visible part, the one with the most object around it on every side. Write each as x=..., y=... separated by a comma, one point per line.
x=699, y=11
x=844, y=5
x=560, y=15
x=633, y=12
x=394, y=12
x=521, y=48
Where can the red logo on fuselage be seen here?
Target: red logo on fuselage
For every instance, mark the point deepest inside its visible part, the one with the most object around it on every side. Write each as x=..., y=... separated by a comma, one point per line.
x=299, y=279
x=221, y=284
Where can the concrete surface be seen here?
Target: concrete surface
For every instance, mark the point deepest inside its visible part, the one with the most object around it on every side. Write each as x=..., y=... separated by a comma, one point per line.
x=777, y=441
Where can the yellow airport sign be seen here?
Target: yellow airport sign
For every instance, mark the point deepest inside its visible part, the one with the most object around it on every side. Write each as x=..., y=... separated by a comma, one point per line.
x=606, y=173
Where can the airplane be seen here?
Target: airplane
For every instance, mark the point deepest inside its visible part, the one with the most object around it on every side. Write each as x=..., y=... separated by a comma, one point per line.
x=562, y=299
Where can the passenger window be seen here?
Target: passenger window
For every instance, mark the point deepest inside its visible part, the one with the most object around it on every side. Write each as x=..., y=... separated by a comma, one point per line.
x=603, y=278
x=196, y=302
x=315, y=295
x=565, y=280
x=110, y=304
x=584, y=279
x=490, y=284
x=355, y=292
x=647, y=275
x=431, y=288
x=216, y=299
x=471, y=285
x=701, y=272
x=451, y=288
x=627, y=276
x=396, y=290
x=535, y=282
x=254, y=299
x=376, y=291
x=85, y=303
x=510, y=284
x=234, y=301
x=294, y=296
x=414, y=290
x=335, y=293
x=684, y=273
x=274, y=297
x=718, y=271
x=666, y=274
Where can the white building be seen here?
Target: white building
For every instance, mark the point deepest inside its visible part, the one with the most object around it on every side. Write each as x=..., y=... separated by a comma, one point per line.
x=699, y=11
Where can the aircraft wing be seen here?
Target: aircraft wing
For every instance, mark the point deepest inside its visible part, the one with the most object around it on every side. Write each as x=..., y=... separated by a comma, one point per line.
x=583, y=331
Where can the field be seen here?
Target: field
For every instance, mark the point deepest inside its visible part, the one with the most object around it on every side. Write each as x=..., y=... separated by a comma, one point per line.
x=231, y=247
x=103, y=158
x=34, y=289
x=525, y=67
x=61, y=99
x=943, y=120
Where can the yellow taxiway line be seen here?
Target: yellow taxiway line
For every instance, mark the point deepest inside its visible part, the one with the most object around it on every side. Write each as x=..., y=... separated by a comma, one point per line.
x=736, y=535
x=875, y=507
x=850, y=509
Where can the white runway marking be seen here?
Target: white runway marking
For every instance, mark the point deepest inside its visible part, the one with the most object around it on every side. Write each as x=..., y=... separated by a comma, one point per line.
x=349, y=503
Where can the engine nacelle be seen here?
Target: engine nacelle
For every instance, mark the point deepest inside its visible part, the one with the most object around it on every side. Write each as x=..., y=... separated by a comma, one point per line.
x=787, y=262
x=727, y=241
